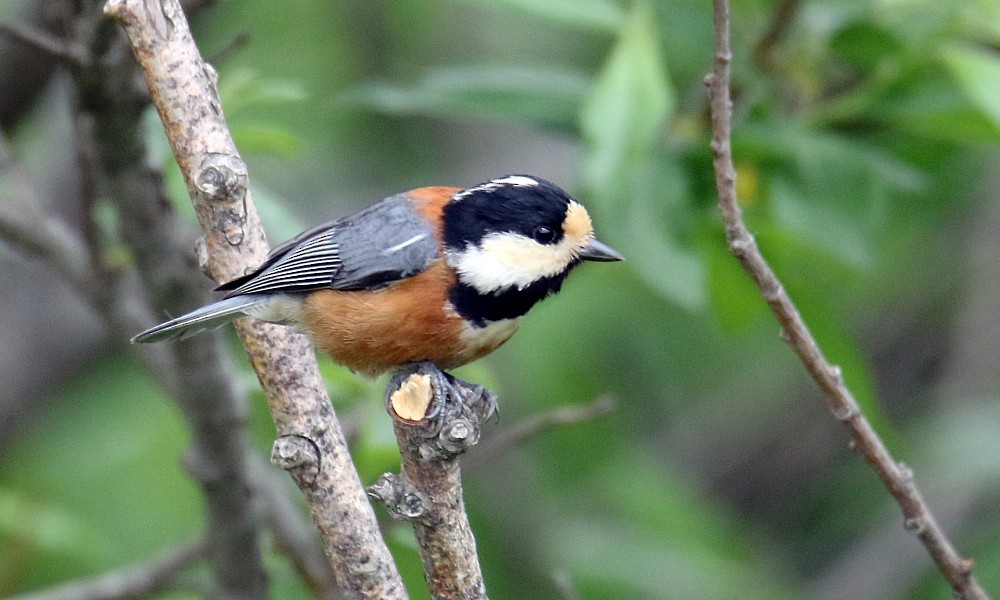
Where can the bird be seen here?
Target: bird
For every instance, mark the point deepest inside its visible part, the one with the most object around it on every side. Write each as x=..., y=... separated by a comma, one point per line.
x=437, y=274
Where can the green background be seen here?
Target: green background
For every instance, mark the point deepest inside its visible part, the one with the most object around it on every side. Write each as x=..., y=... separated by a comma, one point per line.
x=866, y=146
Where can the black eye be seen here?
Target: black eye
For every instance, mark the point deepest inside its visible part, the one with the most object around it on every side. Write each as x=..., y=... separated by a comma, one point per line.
x=543, y=234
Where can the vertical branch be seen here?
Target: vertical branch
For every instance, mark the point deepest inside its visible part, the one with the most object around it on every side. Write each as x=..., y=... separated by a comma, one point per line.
x=436, y=418
x=311, y=445
x=108, y=107
x=897, y=478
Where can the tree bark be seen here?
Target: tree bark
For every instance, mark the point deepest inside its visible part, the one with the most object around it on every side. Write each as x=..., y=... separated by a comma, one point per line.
x=183, y=90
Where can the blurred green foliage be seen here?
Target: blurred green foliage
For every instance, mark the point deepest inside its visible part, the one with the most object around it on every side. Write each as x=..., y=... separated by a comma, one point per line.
x=862, y=138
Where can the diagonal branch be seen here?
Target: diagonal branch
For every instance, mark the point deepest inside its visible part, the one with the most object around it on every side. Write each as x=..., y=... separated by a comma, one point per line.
x=109, y=103
x=24, y=223
x=781, y=22
x=44, y=41
x=311, y=443
x=294, y=536
x=896, y=477
x=537, y=425
x=134, y=581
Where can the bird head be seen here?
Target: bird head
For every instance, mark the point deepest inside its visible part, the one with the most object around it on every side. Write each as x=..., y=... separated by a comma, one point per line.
x=516, y=238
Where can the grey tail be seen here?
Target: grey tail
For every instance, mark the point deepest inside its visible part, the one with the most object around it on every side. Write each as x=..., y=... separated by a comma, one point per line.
x=206, y=317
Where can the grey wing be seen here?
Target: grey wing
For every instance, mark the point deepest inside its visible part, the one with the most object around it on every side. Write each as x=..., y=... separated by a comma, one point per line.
x=387, y=242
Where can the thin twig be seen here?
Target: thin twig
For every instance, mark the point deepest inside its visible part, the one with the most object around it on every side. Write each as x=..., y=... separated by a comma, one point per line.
x=46, y=42
x=896, y=477
x=230, y=49
x=564, y=586
x=781, y=22
x=517, y=434
x=183, y=90
x=134, y=581
x=25, y=224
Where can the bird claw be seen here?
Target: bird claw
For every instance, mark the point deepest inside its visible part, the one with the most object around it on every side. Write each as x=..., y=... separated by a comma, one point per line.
x=422, y=393
x=478, y=398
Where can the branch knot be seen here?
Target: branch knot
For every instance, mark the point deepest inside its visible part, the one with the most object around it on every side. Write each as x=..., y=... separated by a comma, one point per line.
x=221, y=177
x=403, y=501
x=298, y=455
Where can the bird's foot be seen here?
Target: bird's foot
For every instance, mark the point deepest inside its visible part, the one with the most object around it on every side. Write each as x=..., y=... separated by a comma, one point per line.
x=448, y=408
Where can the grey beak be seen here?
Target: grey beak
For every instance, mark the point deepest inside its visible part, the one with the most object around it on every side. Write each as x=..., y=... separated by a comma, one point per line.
x=600, y=252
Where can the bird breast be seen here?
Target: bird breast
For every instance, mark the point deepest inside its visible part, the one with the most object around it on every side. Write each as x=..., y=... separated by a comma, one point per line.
x=374, y=331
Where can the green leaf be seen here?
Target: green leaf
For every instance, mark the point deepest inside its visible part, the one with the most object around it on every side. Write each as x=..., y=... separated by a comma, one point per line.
x=38, y=526
x=629, y=103
x=264, y=138
x=101, y=478
x=834, y=192
x=932, y=108
x=241, y=89
x=601, y=15
x=808, y=274
x=977, y=72
x=543, y=94
x=648, y=238
x=622, y=117
x=246, y=96
x=828, y=224
x=863, y=44
x=735, y=300
x=981, y=21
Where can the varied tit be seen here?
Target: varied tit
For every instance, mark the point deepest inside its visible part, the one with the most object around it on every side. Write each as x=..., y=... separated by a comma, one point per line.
x=437, y=274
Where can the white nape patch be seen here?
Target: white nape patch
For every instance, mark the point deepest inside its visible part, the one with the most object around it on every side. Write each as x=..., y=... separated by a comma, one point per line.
x=278, y=308
x=489, y=186
x=400, y=246
x=505, y=260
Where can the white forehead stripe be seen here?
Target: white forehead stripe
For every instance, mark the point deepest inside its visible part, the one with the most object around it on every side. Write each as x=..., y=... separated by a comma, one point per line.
x=489, y=186
x=520, y=180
